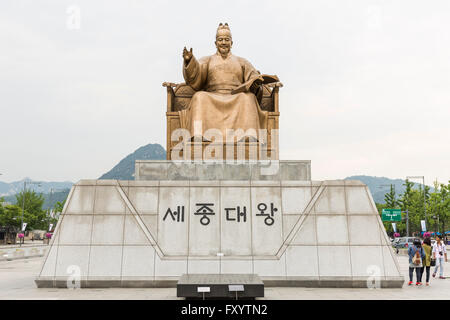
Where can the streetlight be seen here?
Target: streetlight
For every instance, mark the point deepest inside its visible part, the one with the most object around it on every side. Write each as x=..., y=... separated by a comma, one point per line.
x=407, y=221
x=423, y=180
x=25, y=182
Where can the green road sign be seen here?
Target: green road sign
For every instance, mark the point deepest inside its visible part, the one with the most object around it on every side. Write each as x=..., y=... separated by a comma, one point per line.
x=391, y=215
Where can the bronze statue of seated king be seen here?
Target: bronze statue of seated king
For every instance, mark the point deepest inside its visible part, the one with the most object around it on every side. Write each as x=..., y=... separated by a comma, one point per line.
x=224, y=101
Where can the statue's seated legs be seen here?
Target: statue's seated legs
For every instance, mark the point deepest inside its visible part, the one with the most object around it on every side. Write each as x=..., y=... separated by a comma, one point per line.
x=213, y=113
x=179, y=99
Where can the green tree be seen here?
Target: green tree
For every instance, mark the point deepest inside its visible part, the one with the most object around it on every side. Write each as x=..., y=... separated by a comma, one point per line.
x=9, y=220
x=445, y=211
x=33, y=201
x=59, y=206
x=34, y=215
x=433, y=205
x=439, y=207
x=416, y=212
x=10, y=217
x=390, y=198
x=405, y=200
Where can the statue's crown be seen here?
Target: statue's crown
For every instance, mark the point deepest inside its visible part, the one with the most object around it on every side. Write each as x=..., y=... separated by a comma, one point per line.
x=223, y=27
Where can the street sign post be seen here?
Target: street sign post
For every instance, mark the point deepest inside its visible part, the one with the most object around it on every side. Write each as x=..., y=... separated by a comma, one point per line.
x=391, y=215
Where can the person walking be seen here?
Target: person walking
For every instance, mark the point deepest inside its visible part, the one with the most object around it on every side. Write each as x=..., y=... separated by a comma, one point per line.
x=426, y=263
x=416, y=256
x=439, y=253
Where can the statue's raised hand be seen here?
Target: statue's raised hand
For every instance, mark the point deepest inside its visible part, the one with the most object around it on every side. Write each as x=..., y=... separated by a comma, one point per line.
x=187, y=55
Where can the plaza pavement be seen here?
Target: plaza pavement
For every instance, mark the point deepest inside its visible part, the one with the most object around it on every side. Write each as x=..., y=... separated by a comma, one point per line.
x=17, y=282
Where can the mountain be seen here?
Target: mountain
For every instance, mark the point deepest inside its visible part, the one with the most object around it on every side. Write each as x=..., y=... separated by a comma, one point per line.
x=379, y=186
x=52, y=191
x=9, y=189
x=124, y=170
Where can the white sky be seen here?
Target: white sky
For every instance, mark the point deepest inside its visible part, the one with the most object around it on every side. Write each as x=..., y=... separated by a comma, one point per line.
x=366, y=83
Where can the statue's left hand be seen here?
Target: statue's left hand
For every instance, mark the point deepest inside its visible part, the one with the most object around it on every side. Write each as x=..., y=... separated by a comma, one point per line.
x=255, y=86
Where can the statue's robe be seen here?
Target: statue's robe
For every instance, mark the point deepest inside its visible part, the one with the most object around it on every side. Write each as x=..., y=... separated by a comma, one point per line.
x=213, y=78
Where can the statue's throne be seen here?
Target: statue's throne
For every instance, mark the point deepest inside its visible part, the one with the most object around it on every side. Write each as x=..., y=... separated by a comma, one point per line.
x=179, y=97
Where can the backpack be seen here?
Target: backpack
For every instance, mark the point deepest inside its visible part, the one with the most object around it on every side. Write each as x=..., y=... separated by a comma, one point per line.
x=416, y=259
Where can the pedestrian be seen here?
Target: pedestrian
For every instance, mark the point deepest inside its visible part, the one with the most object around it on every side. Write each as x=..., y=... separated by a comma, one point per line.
x=440, y=254
x=427, y=261
x=416, y=255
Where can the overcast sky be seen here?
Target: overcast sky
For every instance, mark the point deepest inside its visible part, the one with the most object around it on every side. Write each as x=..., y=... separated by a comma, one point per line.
x=366, y=83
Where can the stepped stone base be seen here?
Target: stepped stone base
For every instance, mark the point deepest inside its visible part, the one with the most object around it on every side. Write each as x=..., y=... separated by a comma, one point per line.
x=276, y=170
x=288, y=232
